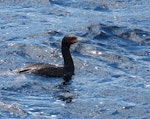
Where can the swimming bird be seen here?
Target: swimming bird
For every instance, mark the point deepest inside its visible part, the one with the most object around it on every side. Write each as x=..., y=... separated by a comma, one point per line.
x=48, y=70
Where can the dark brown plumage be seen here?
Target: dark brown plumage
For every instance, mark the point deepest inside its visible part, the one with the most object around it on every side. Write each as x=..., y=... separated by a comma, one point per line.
x=49, y=70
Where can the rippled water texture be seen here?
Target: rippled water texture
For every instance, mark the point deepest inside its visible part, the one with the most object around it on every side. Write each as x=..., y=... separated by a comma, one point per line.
x=112, y=64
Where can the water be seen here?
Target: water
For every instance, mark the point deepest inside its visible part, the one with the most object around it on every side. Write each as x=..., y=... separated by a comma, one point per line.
x=112, y=68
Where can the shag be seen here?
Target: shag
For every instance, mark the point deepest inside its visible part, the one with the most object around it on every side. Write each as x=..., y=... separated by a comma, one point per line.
x=49, y=70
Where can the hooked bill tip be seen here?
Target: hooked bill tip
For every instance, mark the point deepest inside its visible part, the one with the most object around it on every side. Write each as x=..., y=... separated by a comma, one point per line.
x=80, y=39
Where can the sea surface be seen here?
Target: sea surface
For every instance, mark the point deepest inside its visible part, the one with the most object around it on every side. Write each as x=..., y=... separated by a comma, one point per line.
x=112, y=63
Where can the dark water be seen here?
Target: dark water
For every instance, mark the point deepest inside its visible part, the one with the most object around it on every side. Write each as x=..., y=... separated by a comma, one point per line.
x=112, y=75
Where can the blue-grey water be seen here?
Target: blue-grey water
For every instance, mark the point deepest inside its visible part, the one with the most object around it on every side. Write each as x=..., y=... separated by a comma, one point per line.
x=112, y=64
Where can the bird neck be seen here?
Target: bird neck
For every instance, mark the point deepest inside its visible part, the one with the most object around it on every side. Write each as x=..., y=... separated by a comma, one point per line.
x=68, y=62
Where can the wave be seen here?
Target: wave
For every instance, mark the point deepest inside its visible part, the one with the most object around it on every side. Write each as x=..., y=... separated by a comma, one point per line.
x=25, y=3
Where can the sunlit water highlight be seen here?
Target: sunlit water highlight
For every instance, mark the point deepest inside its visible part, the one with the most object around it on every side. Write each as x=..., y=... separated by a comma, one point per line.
x=112, y=64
